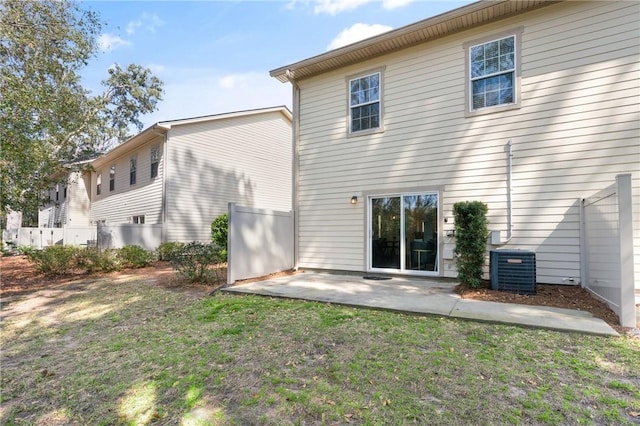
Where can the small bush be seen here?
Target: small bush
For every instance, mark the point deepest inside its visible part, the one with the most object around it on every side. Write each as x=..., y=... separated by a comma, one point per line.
x=54, y=260
x=93, y=260
x=25, y=250
x=169, y=250
x=219, y=234
x=197, y=262
x=471, y=230
x=134, y=257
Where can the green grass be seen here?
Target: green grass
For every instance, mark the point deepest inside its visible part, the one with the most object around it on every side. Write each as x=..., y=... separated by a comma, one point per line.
x=134, y=354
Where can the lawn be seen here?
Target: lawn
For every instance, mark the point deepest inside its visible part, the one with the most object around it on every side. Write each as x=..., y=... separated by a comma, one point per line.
x=125, y=351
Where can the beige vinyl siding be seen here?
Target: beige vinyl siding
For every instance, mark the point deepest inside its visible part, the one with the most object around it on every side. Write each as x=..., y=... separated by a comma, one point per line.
x=245, y=160
x=577, y=128
x=143, y=198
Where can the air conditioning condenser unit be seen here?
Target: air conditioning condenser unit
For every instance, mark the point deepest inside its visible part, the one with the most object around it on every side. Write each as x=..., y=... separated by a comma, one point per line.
x=513, y=270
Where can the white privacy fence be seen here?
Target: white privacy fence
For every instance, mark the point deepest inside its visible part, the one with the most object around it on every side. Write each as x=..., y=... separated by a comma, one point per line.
x=119, y=235
x=103, y=236
x=607, y=252
x=33, y=237
x=260, y=242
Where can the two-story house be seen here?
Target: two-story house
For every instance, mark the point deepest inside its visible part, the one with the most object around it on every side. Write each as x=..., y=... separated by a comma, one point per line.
x=176, y=176
x=526, y=106
x=183, y=173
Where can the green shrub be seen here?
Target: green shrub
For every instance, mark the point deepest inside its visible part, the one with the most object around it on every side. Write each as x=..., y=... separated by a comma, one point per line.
x=93, y=260
x=54, y=260
x=198, y=262
x=25, y=250
x=134, y=257
x=219, y=234
x=169, y=250
x=471, y=231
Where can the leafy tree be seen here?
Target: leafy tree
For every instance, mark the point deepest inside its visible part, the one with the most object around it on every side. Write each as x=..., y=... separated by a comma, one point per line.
x=48, y=120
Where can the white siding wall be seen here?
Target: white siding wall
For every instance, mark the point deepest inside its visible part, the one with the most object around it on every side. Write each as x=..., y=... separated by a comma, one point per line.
x=55, y=213
x=577, y=128
x=245, y=160
x=78, y=201
x=143, y=198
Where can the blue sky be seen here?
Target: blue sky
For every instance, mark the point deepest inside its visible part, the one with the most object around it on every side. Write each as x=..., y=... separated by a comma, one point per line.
x=215, y=56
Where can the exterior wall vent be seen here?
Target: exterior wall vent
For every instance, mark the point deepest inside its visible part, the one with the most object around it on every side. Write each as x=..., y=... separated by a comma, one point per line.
x=513, y=270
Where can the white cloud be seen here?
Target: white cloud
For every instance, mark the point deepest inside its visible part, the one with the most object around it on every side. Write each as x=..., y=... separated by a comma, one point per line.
x=198, y=92
x=150, y=22
x=108, y=42
x=333, y=7
x=394, y=4
x=133, y=26
x=156, y=68
x=355, y=33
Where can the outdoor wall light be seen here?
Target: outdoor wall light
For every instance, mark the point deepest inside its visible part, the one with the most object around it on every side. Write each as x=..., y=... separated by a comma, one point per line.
x=354, y=199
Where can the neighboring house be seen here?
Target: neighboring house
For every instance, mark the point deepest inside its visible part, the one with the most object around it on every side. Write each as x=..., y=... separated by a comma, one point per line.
x=182, y=174
x=526, y=106
x=69, y=203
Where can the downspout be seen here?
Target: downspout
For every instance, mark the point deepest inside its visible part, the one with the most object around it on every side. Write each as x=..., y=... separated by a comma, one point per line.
x=509, y=191
x=496, y=238
x=163, y=213
x=295, y=165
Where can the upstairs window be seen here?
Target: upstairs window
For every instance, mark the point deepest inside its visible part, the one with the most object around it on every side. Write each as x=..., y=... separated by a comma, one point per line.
x=112, y=178
x=365, y=112
x=133, y=165
x=98, y=183
x=155, y=159
x=493, y=77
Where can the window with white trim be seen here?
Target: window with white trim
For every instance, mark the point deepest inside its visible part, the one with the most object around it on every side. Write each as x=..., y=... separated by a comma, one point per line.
x=133, y=165
x=138, y=220
x=99, y=183
x=155, y=159
x=492, y=73
x=365, y=103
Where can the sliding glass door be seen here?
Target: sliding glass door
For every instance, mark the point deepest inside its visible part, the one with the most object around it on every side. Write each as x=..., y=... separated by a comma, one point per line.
x=403, y=233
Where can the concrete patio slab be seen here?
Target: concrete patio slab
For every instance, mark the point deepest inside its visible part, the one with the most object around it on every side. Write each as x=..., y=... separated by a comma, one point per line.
x=421, y=296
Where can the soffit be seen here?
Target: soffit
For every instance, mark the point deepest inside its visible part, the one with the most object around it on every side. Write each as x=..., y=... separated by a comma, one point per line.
x=457, y=20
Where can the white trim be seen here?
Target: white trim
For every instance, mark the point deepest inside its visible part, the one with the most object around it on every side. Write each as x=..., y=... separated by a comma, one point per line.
x=402, y=247
x=348, y=80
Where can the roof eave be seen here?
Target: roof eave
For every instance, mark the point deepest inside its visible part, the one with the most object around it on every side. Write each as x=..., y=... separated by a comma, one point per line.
x=460, y=19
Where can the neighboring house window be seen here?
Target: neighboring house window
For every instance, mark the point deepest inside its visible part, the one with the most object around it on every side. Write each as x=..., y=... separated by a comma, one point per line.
x=65, y=193
x=493, y=73
x=112, y=178
x=57, y=192
x=365, y=112
x=155, y=159
x=133, y=164
x=139, y=220
x=99, y=183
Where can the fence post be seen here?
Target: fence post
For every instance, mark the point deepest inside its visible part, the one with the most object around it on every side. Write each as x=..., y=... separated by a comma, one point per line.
x=625, y=221
x=230, y=239
x=584, y=256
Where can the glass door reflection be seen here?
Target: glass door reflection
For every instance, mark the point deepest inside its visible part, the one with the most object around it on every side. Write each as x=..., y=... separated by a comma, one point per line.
x=385, y=241
x=421, y=231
